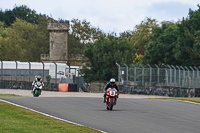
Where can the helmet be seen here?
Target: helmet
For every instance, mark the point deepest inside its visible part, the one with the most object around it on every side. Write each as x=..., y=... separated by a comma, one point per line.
x=38, y=78
x=112, y=81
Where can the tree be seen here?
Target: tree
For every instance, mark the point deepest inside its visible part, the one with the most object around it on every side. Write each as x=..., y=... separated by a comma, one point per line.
x=140, y=36
x=21, y=12
x=23, y=41
x=25, y=13
x=103, y=55
x=162, y=42
x=188, y=46
x=81, y=33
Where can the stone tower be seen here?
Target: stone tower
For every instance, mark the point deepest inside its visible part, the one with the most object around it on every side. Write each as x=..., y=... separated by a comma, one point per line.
x=58, y=46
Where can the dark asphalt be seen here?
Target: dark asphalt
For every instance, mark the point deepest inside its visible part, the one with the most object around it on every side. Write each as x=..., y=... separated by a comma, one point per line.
x=128, y=116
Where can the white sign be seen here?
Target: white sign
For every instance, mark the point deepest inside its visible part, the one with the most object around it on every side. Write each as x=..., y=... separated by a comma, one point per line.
x=122, y=72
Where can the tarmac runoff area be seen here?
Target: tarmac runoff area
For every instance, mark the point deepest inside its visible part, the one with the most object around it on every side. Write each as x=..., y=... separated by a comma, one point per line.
x=27, y=93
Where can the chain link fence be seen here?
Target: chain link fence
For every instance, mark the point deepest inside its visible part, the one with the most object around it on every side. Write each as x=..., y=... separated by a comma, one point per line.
x=153, y=80
x=182, y=77
x=20, y=75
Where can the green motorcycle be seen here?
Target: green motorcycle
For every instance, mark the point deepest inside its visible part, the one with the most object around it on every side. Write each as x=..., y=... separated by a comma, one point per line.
x=38, y=89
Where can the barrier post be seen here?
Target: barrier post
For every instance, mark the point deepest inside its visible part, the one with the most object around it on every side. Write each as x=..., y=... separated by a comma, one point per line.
x=158, y=74
x=119, y=73
x=126, y=74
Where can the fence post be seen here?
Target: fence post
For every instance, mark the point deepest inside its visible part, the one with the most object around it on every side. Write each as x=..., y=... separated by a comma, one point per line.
x=150, y=73
x=158, y=74
x=126, y=74
x=1, y=73
x=192, y=76
x=29, y=77
x=142, y=75
x=134, y=74
x=119, y=73
x=16, y=70
x=170, y=75
x=55, y=73
x=174, y=75
x=179, y=76
x=1, y=70
x=183, y=76
x=188, y=75
x=197, y=77
x=42, y=70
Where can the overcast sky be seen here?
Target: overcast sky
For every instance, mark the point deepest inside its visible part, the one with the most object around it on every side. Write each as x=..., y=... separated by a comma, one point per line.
x=109, y=15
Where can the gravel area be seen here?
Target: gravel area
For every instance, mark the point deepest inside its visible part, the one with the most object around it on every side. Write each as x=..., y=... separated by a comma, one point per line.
x=27, y=93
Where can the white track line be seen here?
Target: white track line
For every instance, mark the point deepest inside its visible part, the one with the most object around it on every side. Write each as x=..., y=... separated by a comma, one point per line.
x=188, y=102
x=49, y=115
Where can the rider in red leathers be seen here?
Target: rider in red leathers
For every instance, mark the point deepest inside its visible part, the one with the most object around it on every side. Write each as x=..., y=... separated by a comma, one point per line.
x=108, y=85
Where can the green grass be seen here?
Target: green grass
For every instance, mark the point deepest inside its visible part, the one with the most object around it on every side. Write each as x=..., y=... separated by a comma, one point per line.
x=195, y=99
x=9, y=95
x=15, y=119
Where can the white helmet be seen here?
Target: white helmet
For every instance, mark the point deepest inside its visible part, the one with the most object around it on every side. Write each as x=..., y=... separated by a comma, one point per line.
x=112, y=81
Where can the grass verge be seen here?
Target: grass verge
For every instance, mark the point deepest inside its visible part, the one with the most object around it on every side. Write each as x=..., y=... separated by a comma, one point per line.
x=19, y=120
x=9, y=95
x=195, y=99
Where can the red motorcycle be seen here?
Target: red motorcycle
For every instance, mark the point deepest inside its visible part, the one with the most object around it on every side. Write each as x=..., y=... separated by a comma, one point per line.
x=111, y=98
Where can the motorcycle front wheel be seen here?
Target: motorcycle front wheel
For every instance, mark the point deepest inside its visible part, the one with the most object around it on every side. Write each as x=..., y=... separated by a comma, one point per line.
x=111, y=104
x=37, y=93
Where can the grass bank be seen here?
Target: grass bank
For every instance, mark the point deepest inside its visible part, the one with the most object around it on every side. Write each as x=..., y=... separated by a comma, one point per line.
x=19, y=120
x=195, y=99
x=9, y=95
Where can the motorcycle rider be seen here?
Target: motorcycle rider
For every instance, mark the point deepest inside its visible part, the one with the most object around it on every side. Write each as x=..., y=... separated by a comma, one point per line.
x=108, y=85
x=37, y=79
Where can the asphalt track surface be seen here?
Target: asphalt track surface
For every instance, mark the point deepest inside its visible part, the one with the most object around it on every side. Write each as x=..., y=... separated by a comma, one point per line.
x=128, y=116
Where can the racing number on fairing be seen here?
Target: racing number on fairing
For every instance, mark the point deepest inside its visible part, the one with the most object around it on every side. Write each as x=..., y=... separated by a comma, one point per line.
x=112, y=93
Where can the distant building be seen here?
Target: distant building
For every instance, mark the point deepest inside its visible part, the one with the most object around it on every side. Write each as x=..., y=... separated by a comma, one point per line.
x=58, y=44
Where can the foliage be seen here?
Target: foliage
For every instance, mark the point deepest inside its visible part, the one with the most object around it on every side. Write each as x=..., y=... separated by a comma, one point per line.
x=188, y=45
x=103, y=55
x=140, y=36
x=162, y=42
x=27, y=41
x=81, y=33
x=175, y=43
x=48, y=78
x=137, y=57
x=21, y=12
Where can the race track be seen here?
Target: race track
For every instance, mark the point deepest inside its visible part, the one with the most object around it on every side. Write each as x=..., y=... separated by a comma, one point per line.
x=128, y=116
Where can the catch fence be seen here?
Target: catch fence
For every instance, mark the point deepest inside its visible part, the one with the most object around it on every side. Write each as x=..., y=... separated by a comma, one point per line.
x=19, y=75
x=169, y=76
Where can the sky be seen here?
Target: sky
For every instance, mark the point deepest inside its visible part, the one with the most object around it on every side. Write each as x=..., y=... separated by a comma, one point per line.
x=109, y=15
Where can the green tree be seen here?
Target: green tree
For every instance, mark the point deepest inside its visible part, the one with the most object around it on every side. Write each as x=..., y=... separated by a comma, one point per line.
x=188, y=46
x=21, y=12
x=140, y=36
x=23, y=41
x=162, y=42
x=103, y=55
x=25, y=13
x=81, y=33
